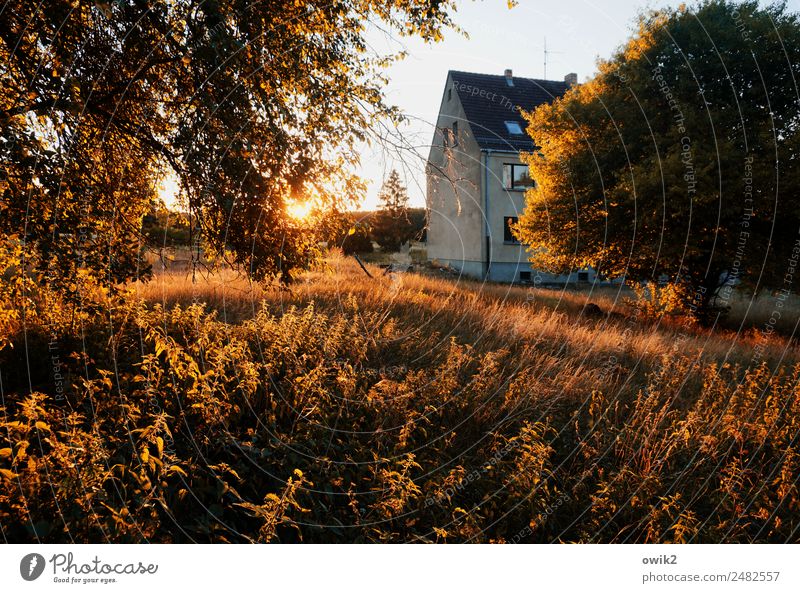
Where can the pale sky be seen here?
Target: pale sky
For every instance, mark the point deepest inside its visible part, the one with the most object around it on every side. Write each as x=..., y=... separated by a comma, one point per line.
x=499, y=38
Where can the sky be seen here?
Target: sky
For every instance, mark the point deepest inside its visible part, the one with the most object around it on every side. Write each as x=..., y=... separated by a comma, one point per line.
x=577, y=33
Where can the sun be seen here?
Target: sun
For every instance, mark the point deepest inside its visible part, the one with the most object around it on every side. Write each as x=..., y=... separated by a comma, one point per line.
x=299, y=210
x=169, y=189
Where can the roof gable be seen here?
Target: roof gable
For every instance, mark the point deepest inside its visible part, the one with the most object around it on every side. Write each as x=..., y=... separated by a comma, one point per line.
x=489, y=102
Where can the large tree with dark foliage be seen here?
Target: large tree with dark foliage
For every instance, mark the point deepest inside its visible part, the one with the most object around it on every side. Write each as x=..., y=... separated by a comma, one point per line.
x=679, y=158
x=250, y=104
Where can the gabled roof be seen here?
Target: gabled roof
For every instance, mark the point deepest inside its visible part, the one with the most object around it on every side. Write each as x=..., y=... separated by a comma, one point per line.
x=489, y=102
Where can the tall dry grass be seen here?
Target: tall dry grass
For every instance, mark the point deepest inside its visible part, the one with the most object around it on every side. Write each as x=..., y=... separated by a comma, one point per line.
x=498, y=316
x=403, y=407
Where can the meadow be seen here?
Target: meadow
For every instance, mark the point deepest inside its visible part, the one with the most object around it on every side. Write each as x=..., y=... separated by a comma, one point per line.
x=408, y=407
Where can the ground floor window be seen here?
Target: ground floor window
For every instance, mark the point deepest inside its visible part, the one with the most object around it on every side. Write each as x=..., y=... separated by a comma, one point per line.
x=508, y=236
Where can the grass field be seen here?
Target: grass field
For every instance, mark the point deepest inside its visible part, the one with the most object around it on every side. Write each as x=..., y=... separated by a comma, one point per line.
x=496, y=315
x=405, y=407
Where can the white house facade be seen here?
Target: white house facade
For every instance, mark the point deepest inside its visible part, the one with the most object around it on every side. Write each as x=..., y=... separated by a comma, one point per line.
x=476, y=181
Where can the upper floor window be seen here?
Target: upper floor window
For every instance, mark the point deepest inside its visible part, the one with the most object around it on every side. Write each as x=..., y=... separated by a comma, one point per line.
x=455, y=133
x=514, y=128
x=517, y=177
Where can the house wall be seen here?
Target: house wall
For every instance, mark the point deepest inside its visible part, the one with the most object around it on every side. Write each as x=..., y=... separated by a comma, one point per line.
x=454, y=198
x=503, y=202
x=508, y=259
x=456, y=177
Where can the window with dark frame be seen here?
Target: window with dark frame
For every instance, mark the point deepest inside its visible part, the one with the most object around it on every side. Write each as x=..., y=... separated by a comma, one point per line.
x=508, y=236
x=583, y=276
x=455, y=133
x=524, y=276
x=517, y=177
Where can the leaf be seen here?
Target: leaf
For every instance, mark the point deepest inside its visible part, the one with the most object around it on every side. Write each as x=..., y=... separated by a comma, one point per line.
x=42, y=426
x=8, y=474
x=177, y=470
x=6, y=452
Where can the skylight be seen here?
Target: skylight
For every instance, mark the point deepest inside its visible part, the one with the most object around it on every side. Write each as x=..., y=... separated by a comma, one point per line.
x=514, y=128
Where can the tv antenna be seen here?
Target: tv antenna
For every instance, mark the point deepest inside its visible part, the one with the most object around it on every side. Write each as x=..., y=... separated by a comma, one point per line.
x=546, y=53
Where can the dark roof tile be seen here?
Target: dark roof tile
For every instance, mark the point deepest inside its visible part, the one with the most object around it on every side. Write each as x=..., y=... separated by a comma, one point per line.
x=489, y=101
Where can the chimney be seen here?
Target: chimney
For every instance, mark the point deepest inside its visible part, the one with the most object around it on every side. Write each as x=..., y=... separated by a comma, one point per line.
x=509, y=77
x=571, y=79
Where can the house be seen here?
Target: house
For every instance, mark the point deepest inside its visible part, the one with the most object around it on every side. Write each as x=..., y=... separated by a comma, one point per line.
x=476, y=181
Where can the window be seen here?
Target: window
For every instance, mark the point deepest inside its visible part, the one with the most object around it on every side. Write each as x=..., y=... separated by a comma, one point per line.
x=449, y=94
x=583, y=276
x=524, y=276
x=517, y=177
x=514, y=128
x=445, y=137
x=508, y=236
x=455, y=133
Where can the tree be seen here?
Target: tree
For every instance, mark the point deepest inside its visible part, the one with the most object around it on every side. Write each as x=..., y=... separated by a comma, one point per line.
x=163, y=227
x=250, y=104
x=392, y=226
x=419, y=223
x=348, y=231
x=677, y=158
x=357, y=240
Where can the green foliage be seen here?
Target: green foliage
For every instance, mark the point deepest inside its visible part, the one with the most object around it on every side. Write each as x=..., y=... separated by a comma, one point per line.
x=391, y=225
x=163, y=227
x=357, y=240
x=348, y=231
x=678, y=158
x=419, y=224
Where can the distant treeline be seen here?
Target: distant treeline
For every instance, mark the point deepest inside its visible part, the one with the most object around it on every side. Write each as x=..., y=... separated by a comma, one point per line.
x=353, y=232
x=163, y=227
x=366, y=228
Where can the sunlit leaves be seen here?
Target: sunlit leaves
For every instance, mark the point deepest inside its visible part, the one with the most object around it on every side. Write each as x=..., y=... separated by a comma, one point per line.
x=678, y=158
x=250, y=105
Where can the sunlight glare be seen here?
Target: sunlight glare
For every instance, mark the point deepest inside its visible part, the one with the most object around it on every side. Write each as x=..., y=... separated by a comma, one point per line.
x=168, y=189
x=299, y=210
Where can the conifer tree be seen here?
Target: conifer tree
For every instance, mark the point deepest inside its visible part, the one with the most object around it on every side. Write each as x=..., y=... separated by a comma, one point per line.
x=392, y=226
